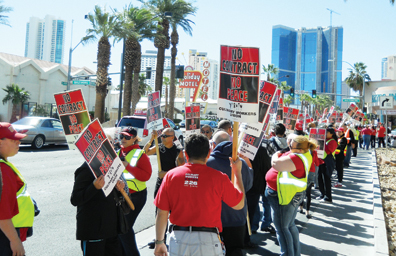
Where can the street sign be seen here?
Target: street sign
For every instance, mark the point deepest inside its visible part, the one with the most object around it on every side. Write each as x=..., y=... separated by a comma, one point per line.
x=386, y=102
x=350, y=100
x=390, y=112
x=81, y=82
x=64, y=83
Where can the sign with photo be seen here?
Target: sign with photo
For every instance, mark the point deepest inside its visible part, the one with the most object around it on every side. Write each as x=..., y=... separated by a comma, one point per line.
x=193, y=119
x=100, y=155
x=275, y=102
x=340, y=116
x=351, y=109
x=239, y=84
x=250, y=145
x=267, y=93
x=73, y=114
x=290, y=117
x=320, y=136
x=154, y=115
x=279, y=115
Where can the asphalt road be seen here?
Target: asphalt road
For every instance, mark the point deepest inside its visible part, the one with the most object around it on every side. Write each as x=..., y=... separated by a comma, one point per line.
x=49, y=173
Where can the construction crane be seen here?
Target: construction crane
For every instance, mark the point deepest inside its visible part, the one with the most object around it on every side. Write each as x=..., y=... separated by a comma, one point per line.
x=331, y=14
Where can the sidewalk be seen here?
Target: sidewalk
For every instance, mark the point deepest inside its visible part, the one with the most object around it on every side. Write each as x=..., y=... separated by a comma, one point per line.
x=352, y=225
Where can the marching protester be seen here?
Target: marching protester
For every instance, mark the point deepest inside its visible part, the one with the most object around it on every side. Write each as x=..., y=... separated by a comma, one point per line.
x=298, y=129
x=207, y=131
x=366, y=134
x=233, y=221
x=192, y=194
x=225, y=125
x=356, y=133
x=327, y=167
x=350, y=136
x=373, y=135
x=381, y=135
x=17, y=209
x=137, y=171
x=286, y=183
x=170, y=157
x=340, y=156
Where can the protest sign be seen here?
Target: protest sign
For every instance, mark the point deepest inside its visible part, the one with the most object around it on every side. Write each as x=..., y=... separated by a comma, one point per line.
x=358, y=116
x=320, y=136
x=351, y=110
x=267, y=93
x=279, y=115
x=239, y=84
x=333, y=118
x=100, y=155
x=193, y=116
x=324, y=113
x=73, y=114
x=275, y=102
x=154, y=116
x=290, y=117
x=340, y=116
x=330, y=112
x=317, y=115
x=250, y=144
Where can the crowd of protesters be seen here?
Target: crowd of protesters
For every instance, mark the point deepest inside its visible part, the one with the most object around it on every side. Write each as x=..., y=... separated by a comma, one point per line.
x=208, y=213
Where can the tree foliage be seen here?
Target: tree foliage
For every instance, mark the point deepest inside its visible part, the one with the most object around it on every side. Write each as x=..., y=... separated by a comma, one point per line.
x=16, y=96
x=4, y=10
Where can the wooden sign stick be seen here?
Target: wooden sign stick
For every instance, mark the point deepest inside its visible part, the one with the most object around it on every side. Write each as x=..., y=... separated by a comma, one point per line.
x=234, y=148
x=158, y=154
x=127, y=199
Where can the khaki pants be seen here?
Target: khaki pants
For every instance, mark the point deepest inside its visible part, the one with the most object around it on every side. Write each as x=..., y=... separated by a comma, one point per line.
x=194, y=243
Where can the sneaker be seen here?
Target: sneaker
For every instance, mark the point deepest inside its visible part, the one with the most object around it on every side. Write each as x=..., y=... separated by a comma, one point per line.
x=308, y=216
x=269, y=229
x=319, y=197
x=326, y=201
x=338, y=185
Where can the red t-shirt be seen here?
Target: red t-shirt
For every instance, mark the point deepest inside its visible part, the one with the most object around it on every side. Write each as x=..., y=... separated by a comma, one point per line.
x=331, y=146
x=381, y=132
x=272, y=174
x=193, y=194
x=8, y=201
x=366, y=131
x=373, y=132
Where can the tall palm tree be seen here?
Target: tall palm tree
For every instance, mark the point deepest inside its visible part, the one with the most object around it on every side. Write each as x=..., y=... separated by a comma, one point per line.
x=355, y=78
x=103, y=24
x=3, y=10
x=16, y=95
x=306, y=100
x=161, y=41
x=270, y=70
x=287, y=100
x=284, y=87
x=134, y=24
x=178, y=19
x=166, y=82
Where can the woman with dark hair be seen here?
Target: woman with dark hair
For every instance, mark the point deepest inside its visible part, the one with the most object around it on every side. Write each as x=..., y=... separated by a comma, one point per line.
x=326, y=168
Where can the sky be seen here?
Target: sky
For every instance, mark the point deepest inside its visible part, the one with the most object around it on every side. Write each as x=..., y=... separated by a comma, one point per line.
x=369, y=28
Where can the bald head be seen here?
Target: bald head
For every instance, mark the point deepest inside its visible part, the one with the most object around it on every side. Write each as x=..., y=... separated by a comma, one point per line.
x=221, y=136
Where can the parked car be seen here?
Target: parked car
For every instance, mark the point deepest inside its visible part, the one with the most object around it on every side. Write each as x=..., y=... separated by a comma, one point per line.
x=392, y=138
x=40, y=131
x=182, y=123
x=140, y=123
x=212, y=124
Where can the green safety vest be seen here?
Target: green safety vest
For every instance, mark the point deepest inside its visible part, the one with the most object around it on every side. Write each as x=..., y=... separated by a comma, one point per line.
x=357, y=134
x=289, y=185
x=324, y=153
x=132, y=158
x=24, y=219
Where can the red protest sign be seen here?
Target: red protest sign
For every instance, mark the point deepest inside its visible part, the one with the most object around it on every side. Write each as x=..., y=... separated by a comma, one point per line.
x=193, y=114
x=320, y=136
x=239, y=83
x=154, y=116
x=290, y=117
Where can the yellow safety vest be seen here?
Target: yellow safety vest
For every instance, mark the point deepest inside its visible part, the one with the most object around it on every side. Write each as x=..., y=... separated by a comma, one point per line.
x=132, y=158
x=357, y=133
x=324, y=153
x=25, y=217
x=288, y=185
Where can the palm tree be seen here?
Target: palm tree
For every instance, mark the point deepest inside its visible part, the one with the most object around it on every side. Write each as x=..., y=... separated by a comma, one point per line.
x=284, y=87
x=306, y=100
x=178, y=19
x=17, y=96
x=166, y=82
x=3, y=18
x=270, y=70
x=161, y=41
x=355, y=78
x=143, y=89
x=103, y=24
x=287, y=100
x=134, y=25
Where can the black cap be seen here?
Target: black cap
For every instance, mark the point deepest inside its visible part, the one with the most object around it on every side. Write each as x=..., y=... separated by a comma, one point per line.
x=129, y=131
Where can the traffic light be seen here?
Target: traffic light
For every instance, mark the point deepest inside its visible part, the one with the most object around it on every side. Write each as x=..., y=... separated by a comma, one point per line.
x=109, y=81
x=292, y=92
x=180, y=72
x=148, y=72
x=313, y=93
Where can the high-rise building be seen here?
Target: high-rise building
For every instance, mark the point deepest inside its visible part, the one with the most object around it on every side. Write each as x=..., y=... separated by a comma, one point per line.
x=149, y=59
x=388, y=65
x=45, y=39
x=197, y=60
x=309, y=58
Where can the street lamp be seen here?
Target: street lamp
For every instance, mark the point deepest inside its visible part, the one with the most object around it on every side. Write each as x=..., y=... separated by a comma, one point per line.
x=166, y=15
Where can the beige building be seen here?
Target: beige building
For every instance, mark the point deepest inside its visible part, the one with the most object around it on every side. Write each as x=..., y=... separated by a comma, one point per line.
x=42, y=79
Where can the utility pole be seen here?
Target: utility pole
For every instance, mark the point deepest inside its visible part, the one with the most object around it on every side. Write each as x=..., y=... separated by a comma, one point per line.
x=333, y=84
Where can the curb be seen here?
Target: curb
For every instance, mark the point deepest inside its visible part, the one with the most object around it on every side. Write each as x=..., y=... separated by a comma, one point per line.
x=380, y=234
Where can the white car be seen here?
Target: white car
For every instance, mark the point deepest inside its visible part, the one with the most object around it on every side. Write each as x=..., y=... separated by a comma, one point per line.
x=140, y=123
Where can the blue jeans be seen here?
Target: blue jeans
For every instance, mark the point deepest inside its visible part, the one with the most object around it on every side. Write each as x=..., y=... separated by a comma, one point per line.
x=366, y=141
x=266, y=220
x=283, y=217
x=348, y=155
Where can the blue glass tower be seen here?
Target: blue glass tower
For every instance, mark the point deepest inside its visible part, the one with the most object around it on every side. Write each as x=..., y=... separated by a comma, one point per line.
x=312, y=58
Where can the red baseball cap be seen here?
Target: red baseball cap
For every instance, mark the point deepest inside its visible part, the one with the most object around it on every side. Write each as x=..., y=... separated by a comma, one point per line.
x=7, y=131
x=299, y=126
x=341, y=129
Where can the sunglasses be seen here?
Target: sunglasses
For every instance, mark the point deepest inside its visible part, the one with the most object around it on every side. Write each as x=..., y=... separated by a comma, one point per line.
x=207, y=132
x=166, y=136
x=122, y=136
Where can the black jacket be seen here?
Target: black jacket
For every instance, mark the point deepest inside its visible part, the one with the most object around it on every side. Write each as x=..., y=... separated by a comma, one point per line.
x=96, y=214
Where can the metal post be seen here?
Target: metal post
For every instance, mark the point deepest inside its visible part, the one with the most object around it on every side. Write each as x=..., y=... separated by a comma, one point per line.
x=121, y=81
x=364, y=90
x=70, y=57
x=386, y=131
